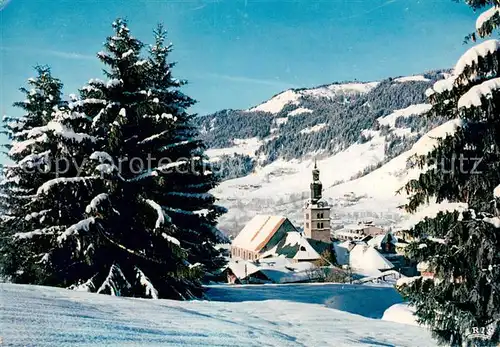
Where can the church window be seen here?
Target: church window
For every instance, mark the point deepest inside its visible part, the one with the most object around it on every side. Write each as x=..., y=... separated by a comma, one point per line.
x=307, y=225
x=307, y=215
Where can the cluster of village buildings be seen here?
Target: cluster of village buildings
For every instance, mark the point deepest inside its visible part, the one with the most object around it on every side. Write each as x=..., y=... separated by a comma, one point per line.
x=270, y=249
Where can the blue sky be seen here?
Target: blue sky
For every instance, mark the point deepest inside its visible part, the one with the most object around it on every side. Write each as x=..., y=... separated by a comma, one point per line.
x=235, y=53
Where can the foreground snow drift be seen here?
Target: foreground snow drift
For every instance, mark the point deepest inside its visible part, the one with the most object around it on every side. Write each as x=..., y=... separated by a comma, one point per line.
x=44, y=316
x=401, y=313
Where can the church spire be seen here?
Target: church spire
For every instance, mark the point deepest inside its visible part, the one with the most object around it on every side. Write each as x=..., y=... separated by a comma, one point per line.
x=316, y=186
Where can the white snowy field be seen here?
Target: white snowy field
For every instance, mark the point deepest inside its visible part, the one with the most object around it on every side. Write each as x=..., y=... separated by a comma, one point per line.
x=281, y=315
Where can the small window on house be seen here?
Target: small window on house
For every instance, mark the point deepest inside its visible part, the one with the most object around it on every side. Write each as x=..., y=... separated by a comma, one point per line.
x=307, y=225
x=307, y=215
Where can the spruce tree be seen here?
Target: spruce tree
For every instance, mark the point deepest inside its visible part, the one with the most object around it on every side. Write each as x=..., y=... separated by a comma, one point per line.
x=461, y=301
x=41, y=190
x=184, y=192
x=152, y=226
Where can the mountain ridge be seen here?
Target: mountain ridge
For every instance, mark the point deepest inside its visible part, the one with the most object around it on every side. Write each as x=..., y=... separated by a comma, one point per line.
x=265, y=157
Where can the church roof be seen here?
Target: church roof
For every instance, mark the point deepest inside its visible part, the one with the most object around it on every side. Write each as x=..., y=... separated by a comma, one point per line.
x=258, y=231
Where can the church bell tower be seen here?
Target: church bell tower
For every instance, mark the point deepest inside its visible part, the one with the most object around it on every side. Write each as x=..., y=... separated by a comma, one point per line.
x=317, y=211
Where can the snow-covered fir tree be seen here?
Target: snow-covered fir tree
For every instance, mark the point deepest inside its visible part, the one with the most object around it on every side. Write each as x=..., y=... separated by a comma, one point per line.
x=41, y=191
x=152, y=226
x=461, y=247
x=183, y=192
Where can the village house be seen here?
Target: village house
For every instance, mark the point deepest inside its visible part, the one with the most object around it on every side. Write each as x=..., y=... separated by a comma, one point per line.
x=355, y=232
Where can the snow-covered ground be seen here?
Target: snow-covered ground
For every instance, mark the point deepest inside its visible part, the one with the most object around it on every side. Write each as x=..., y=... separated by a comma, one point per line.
x=295, y=315
x=400, y=313
x=241, y=146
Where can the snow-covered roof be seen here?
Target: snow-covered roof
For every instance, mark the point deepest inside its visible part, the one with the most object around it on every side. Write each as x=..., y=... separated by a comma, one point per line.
x=365, y=257
x=294, y=246
x=342, y=252
x=277, y=269
x=305, y=251
x=238, y=268
x=256, y=233
x=379, y=239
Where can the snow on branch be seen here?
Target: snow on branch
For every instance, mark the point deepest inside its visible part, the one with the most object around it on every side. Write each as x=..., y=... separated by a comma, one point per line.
x=59, y=129
x=160, y=220
x=22, y=146
x=171, y=239
x=431, y=211
x=102, y=157
x=96, y=201
x=36, y=215
x=63, y=131
x=495, y=221
x=114, y=83
x=106, y=168
x=146, y=282
x=47, y=186
x=487, y=21
x=38, y=232
x=127, y=53
x=472, y=56
x=153, y=137
x=34, y=159
x=441, y=86
x=475, y=94
x=87, y=286
x=154, y=172
x=405, y=281
x=496, y=192
x=115, y=281
x=76, y=228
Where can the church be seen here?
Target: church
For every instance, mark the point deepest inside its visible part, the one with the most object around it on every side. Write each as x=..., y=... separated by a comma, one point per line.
x=273, y=236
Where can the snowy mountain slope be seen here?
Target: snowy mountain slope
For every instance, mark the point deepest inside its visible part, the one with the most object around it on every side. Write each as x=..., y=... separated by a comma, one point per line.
x=281, y=187
x=328, y=119
x=45, y=316
x=278, y=102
